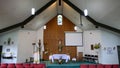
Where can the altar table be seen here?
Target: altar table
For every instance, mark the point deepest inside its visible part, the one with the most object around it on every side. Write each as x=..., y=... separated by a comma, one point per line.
x=59, y=56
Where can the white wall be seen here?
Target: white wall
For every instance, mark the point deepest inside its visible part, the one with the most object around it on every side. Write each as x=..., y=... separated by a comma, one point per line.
x=23, y=40
x=109, y=41
x=91, y=37
x=40, y=32
x=12, y=47
x=80, y=49
x=22, y=47
x=25, y=47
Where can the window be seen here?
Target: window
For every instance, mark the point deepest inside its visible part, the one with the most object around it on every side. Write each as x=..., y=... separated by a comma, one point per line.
x=59, y=20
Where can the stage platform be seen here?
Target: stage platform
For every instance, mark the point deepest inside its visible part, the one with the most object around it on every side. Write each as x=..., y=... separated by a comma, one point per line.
x=70, y=64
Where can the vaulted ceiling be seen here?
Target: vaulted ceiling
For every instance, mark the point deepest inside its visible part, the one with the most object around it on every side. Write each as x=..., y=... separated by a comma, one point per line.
x=17, y=13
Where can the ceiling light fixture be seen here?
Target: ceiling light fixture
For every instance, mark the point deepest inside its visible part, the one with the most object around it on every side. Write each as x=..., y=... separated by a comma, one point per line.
x=75, y=28
x=33, y=11
x=86, y=12
x=44, y=27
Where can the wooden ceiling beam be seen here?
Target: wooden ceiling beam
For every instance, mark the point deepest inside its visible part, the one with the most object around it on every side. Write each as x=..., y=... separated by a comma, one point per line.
x=91, y=19
x=28, y=19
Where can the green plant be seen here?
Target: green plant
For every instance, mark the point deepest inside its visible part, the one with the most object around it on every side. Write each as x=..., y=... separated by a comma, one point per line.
x=97, y=46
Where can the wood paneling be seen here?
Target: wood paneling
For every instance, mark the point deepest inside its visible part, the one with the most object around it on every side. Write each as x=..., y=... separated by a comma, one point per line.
x=53, y=34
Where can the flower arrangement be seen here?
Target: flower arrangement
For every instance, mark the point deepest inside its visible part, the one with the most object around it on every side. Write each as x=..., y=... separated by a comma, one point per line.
x=97, y=46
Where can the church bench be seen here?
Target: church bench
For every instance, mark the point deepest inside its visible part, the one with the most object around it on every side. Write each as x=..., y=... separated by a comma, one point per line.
x=22, y=65
x=99, y=66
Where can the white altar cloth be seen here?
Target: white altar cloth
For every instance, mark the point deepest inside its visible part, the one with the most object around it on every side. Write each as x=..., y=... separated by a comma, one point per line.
x=59, y=56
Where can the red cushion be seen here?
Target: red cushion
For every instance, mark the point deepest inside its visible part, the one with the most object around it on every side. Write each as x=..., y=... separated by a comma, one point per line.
x=38, y=66
x=33, y=65
x=108, y=66
x=42, y=65
x=115, y=65
x=3, y=65
x=11, y=65
x=92, y=66
x=27, y=65
x=100, y=66
x=22, y=65
x=19, y=65
x=83, y=66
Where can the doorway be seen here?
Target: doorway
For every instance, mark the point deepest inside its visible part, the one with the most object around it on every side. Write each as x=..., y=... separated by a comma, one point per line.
x=80, y=56
x=0, y=52
x=118, y=48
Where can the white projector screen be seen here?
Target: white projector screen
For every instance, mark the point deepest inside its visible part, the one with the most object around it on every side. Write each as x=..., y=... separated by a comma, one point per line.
x=73, y=38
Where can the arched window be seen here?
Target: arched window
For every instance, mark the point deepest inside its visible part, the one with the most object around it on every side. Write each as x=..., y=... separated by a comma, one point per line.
x=59, y=19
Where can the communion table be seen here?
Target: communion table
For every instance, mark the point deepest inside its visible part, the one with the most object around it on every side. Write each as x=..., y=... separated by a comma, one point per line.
x=59, y=57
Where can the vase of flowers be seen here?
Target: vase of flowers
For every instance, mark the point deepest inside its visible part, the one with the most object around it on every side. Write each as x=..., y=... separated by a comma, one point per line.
x=97, y=46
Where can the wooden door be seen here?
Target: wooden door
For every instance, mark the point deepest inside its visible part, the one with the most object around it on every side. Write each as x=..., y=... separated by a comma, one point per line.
x=118, y=49
x=80, y=56
x=0, y=52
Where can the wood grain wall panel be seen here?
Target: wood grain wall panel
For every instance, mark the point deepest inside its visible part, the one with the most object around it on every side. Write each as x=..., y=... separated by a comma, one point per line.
x=53, y=34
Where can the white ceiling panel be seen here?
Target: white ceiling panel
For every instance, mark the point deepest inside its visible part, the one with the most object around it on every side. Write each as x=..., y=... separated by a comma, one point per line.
x=16, y=11
x=43, y=18
x=74, y=16
x=103, y=11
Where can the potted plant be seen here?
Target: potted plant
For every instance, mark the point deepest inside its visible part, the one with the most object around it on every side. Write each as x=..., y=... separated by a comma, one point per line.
x=97, y=46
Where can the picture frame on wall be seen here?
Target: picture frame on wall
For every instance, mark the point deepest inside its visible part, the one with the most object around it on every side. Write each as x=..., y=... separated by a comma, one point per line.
x=8, y=50
x=109, y=50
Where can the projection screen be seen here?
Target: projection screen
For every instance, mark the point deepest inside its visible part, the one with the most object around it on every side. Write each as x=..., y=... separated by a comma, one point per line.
x=73, y=38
